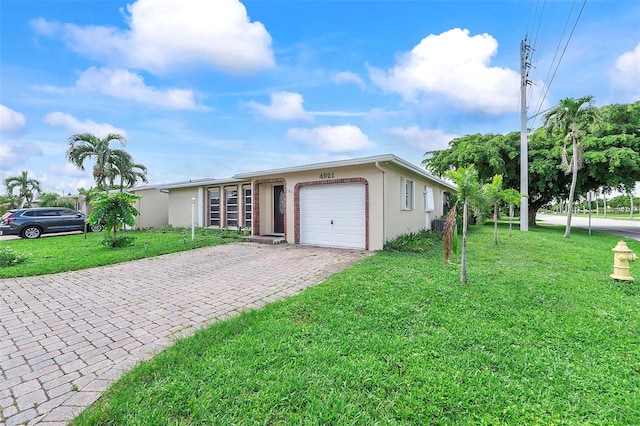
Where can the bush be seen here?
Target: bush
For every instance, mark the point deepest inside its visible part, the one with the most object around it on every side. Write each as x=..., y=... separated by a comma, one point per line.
x=414, y=242
x=10, y=257
x=119, y=242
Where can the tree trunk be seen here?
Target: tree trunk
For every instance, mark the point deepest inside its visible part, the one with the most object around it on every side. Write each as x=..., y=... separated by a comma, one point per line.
x=533, y=211
x=463, y=272
x=572, y=190
x=631, y=204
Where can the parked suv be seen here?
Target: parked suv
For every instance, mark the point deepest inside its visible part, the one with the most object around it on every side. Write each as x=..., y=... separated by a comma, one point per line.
x=32, y=223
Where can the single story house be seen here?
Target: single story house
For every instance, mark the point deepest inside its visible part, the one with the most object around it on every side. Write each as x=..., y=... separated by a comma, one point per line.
x=357, y=203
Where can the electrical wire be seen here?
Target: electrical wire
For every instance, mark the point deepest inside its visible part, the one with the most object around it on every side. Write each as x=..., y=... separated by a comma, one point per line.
x=564, y=50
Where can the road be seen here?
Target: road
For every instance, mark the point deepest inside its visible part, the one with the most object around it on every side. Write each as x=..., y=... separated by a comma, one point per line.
x=624, y=228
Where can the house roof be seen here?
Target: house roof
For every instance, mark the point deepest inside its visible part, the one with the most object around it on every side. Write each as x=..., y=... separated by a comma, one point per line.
x=386, y=158
x=200, y=182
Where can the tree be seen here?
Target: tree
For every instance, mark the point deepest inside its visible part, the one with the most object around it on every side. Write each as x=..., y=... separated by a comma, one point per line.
x=466, y=179
x=129, y=172
x=512, y=198
x=54, y=200
x=611, y=157
x=570, y=119
x=493, y=194
x=86, y=145
x=115, y=209
x=27, y=188
x=8, y=202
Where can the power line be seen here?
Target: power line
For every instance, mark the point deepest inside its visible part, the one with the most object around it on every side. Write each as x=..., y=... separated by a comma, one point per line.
x=566, y=45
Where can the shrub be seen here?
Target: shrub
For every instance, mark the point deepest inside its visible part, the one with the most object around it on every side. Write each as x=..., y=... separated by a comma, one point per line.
x=10, y=257
x=119, y=242
x=414, y=242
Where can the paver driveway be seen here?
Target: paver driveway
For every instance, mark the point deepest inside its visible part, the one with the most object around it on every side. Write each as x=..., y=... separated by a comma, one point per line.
x=65, y=337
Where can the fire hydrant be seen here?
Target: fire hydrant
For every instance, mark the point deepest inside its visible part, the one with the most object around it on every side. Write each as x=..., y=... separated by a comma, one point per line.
x=622, y=256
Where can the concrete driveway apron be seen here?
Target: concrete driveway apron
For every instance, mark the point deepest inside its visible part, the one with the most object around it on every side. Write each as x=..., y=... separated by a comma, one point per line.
x=65, y=337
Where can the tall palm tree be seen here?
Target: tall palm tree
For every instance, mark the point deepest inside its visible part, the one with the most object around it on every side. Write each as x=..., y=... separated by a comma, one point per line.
x=85, y=145
x=570, y=119
x=494, y=194
x=27, y=187
x=122, y=166
x=513, y=198
x=466, y=178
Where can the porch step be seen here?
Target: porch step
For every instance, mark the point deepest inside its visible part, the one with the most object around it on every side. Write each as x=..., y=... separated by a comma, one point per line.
x=266, y=239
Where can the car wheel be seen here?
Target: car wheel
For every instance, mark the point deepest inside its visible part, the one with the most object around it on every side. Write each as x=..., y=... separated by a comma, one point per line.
x=96, y=228
x=31, y=232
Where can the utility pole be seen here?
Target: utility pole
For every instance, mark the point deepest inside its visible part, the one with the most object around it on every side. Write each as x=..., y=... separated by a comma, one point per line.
x=524, y=150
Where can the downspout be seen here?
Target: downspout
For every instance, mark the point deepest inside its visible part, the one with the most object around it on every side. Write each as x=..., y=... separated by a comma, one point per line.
x=384, y=201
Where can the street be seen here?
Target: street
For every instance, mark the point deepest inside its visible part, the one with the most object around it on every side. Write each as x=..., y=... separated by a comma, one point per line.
x=625, y=228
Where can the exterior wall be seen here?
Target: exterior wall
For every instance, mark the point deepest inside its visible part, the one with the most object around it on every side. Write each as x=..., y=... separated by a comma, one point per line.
x=179, y=211
x=385, y=217
x=368, y=174
x=153, y=208
x=399, y=220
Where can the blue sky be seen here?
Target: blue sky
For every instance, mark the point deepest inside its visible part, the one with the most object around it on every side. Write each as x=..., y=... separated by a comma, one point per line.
x=213, y=88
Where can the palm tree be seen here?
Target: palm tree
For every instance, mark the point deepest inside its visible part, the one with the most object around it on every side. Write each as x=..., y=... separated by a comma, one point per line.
x=86, y=145
x=27, y=187
x=123, y=166
x=493, y=193
x=513, y=198
x=570, y=119
x=466, y=178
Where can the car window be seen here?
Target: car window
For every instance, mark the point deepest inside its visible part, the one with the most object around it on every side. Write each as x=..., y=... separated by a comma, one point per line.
x=47, y=213
x=29, y=213
x=68, y=213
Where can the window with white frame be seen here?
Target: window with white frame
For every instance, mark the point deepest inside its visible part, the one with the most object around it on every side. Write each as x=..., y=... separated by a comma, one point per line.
x=408, y=194
x=248, y=211
x=214, y=207
x=231, y=207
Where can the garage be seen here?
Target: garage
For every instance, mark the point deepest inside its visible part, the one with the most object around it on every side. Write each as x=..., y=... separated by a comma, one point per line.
x=333, y=215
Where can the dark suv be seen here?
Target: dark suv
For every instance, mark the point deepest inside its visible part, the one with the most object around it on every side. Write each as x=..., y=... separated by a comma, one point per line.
x=32, y=223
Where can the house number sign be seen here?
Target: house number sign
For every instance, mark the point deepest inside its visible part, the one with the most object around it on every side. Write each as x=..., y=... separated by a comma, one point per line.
x=328, y=175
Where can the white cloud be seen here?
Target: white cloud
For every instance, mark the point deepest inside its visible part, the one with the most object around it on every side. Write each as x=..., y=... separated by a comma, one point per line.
x=76, y=126
x=456, y=66
x=164, y=34
x=425, y=140
x=345, y=138
x=349, y=77
x=66, y=169
x=284, y=106
x=11, y=122
x=12, y=155
x=626, y=74
x=123, y=84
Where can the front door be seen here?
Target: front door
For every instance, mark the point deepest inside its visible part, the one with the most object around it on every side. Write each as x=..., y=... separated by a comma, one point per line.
x=278, y=209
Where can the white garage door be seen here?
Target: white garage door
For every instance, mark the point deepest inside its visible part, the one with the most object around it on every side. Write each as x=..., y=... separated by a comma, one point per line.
x=333, y=215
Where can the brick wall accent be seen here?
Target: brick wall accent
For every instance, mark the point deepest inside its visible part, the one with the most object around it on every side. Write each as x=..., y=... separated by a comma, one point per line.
x=255, y=229
x=296, y=203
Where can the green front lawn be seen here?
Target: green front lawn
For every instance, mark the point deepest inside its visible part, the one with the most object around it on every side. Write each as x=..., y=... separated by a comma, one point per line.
x=539, y=335
x=60, y=253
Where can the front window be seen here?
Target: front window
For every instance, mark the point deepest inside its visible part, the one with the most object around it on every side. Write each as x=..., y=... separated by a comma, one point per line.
x=247, y=207
x=232, y=207
x=214, y=207
x=408, y=194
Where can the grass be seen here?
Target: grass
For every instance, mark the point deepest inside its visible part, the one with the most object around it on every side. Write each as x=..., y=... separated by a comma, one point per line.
x=540, y=335
x=60, y=253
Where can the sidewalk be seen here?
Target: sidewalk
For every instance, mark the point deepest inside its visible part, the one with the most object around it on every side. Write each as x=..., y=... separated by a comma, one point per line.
x=65, y=337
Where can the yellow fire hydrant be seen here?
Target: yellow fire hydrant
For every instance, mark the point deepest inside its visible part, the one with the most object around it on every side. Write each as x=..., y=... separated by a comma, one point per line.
x=622, y=256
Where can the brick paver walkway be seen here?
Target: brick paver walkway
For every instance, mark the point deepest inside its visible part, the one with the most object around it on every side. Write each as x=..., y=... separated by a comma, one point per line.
x=65, y=337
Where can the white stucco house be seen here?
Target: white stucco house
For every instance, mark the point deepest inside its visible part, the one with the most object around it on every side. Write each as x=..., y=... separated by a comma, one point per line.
x=358, y=203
